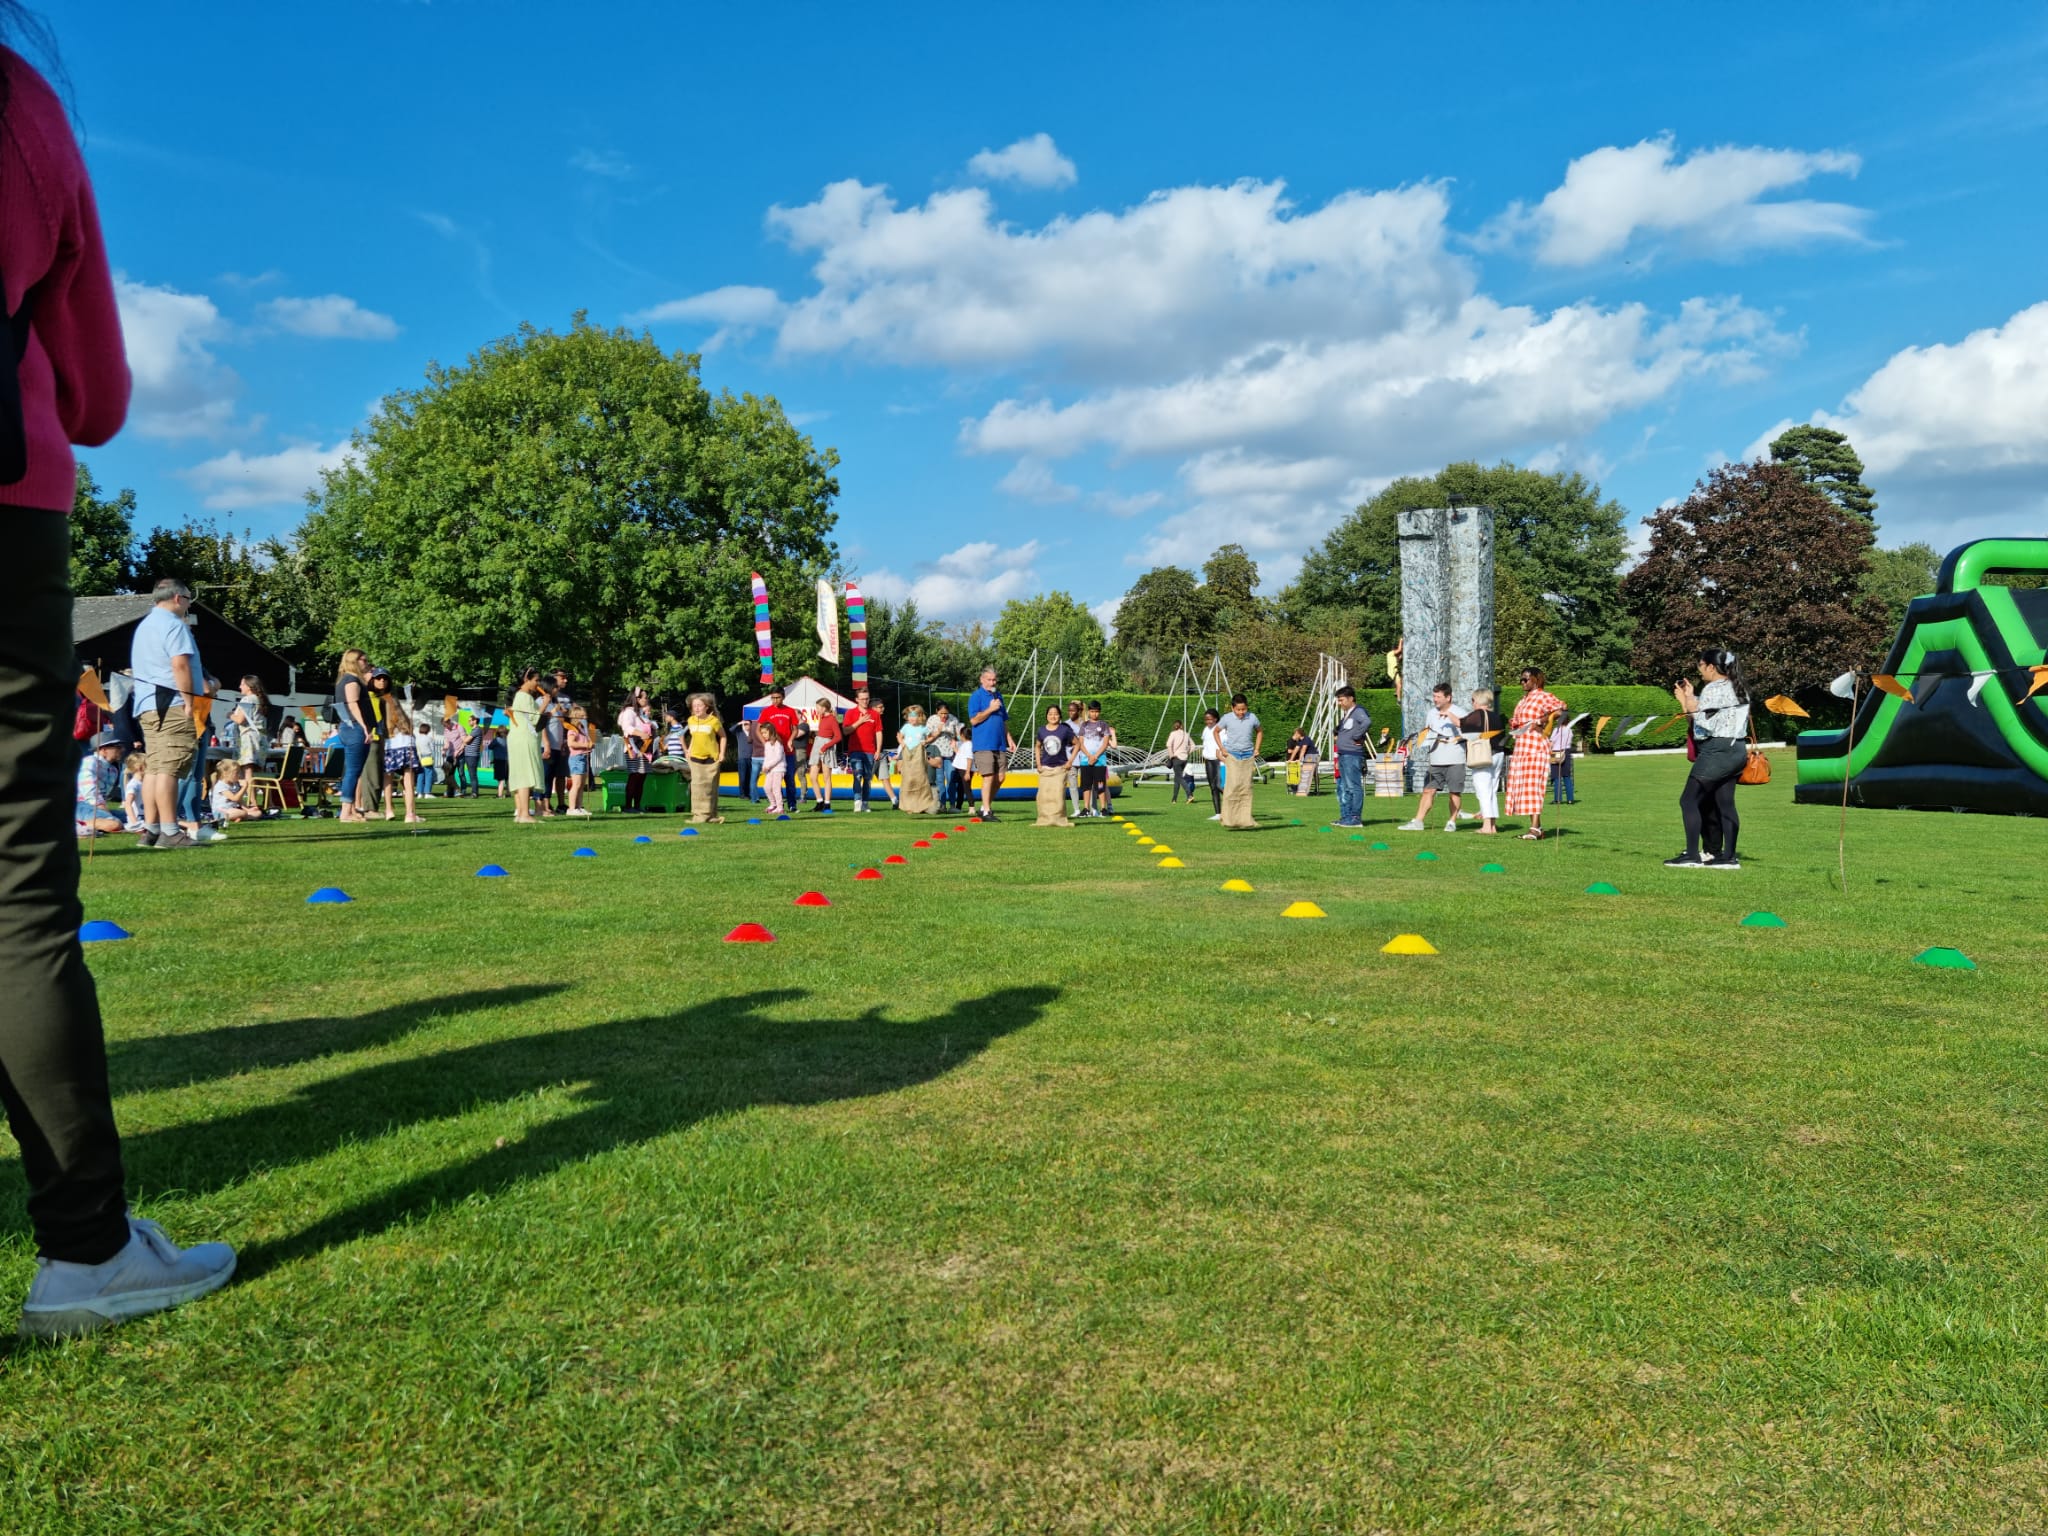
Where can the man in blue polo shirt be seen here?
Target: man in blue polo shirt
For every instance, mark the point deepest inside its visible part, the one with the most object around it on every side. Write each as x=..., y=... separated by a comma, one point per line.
x=990, y=722
x=164, y=659
x=1354, y=727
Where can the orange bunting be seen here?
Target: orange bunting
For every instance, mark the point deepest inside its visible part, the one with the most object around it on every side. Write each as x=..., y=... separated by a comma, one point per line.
x=2040, y=682
x=1884, y=682
x=1778, y=704
x=1599, y=726
x=89, y=685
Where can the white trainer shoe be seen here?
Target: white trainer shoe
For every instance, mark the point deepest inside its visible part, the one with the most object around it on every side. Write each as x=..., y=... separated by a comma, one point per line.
x=1411, y=826
x=151, y=1274
x=1451, y=825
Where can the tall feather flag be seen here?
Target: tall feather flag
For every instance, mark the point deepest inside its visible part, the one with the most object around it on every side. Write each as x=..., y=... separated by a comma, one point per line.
x=857, y=632
x=761, y=634
x=828, y=622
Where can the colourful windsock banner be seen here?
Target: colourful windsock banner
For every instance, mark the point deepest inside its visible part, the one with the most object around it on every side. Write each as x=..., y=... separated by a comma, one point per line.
x=857, y=632
x=761, y=634
x=828, y=622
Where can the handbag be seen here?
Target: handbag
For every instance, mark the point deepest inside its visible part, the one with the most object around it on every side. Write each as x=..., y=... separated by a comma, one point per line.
x=1757, y=769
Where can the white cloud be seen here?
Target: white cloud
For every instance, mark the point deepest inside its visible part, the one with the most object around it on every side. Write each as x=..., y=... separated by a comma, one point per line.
x=608, y=163
x=737, y=311
x=1954, y=436
x=1105, y=613
x=1030, y=480
x=236, y=481
x=332, y=316
x=973, y=581
x=1035, y=162
x=1710, y=202
x=181, y=389
x=1127, y=506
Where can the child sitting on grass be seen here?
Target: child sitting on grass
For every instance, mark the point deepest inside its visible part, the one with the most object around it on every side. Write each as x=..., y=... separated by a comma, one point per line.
x=131, y=792
x=99, y=775
x=229, y=797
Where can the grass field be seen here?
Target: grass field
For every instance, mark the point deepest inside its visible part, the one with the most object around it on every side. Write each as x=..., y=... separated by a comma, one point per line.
x=1034, y=1188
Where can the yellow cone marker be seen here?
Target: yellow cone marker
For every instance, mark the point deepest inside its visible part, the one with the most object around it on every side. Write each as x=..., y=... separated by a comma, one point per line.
x=1236, y=885
x=1304, y=909
x=1407, y=944
x=1145, y=842
x=1161, y=848
x=1132, y=829
x=1116, y=818
x=1171, y=864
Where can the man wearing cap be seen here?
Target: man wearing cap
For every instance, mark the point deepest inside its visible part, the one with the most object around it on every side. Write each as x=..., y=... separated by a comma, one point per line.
x=164, y=659
x=99, y=781
x=1354, y=727
x=781, y=719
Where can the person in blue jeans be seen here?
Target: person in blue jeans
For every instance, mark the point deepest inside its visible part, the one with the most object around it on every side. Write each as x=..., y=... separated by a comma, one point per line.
x=747, y=746
x=352, y=726
x=1353, y=729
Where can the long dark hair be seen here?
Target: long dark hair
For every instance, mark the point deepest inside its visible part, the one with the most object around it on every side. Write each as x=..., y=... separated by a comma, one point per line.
x=1731, y=668
x=22, y=30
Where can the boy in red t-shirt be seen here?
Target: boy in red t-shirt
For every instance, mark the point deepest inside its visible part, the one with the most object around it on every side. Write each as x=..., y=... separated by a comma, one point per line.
x=863, y=727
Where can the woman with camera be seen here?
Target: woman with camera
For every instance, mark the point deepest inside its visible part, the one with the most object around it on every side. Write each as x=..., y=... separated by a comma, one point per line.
x=1720, y=723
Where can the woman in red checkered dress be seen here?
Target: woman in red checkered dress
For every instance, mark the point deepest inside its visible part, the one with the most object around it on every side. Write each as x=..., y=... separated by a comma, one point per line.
x=1529, y=768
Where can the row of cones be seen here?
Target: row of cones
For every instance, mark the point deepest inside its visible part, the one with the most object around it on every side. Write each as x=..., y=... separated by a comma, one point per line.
x=757, y=933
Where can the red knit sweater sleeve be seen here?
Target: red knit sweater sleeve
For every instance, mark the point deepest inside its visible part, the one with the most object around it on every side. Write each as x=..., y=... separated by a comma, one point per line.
x=74, y=372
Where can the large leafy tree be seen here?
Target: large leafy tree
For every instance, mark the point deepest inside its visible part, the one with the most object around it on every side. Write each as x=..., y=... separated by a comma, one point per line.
x=1897, y=576
x=1759, y=561
x=575, y=498
x=1824, y=459
x=102, y=539
x=1524, y=628
x=1554, y=533
x=1053, y=624
x=903, y=645
x=1230, y=578
x=1165, y=609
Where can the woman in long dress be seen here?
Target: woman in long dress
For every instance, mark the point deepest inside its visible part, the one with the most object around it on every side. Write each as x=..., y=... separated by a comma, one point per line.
x=524, y=750
x=918, y=796
x=1529, y=769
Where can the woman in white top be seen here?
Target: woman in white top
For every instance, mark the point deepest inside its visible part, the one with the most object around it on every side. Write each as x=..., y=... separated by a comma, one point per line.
x=638, y=731
x=1720, y=725
x=1212, y=761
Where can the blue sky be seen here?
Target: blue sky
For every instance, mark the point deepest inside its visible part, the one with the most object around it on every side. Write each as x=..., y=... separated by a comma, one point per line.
x=1078, y=290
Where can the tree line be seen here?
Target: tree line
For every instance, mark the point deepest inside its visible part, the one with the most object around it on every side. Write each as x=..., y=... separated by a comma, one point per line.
x=582, y=499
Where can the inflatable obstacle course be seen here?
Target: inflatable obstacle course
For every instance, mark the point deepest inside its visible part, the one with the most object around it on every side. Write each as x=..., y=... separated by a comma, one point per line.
x=1968, y=737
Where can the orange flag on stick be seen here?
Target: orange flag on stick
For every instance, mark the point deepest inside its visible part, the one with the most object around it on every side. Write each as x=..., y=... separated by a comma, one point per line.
x=1884, y=682
x=89, y=685
x=1778, y=704
x=2040, y=682
x=1599, y=726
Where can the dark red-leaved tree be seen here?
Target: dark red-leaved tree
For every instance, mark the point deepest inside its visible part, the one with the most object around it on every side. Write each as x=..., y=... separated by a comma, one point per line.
x=1760, y=562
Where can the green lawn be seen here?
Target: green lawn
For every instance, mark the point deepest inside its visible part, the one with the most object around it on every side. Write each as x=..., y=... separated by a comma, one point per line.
x=1034, y=1188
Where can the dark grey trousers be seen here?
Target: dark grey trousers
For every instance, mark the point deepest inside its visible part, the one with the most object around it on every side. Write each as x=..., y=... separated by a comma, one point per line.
x=53, y=1058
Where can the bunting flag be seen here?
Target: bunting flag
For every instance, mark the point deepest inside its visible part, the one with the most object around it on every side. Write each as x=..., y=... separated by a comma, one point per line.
x=828, y=622
x=1884, y=682
x=89, y=685
x=1844, y=687
x=1621, y=726
x=857, y=633
x=1778, y=704
x=1664, y=725
x=1641, y=726
x=1599, y=726
x=2040, y=682
x=766, y=640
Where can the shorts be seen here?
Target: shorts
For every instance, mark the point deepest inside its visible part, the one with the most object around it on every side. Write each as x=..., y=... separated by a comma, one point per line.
x=1449, y=777
x=823, y=756
x=85, y=815
x=1094, y=776
x=168, y=742
x=579, y=762
x=400, y=756
x=989, y=764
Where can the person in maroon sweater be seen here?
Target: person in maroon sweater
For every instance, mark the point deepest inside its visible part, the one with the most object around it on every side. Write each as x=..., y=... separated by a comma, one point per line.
x=95, y=1264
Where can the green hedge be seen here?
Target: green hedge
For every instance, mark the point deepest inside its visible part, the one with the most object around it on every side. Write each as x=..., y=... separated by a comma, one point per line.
x=1137, y=715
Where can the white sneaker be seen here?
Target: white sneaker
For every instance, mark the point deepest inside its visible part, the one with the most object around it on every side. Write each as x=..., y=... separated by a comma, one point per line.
x=209, y=835
x=1451, y=825
x=579, y=811
x=1217, y=817
x=1411, y=826
x=151, y=1274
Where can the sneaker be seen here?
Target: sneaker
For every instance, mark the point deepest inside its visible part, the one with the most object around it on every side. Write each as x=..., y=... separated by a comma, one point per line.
x=1720, y=861
x=147, y=839
x=1411, y=826
x=1451, y=825
x=209, y=835
x=1685, y=861
x=177, y=839
x=151, y=1274
x=1348, y=826
x=1217, y=817
x=579, y=811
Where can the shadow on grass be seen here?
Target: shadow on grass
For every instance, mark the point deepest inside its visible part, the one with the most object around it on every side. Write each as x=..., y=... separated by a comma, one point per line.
x=171, y=1061
x=635, y=1079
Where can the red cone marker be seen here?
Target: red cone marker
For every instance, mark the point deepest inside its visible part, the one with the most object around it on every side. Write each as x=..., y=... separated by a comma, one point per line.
x=869, y=874
x=750, y=933
x=813, y=899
